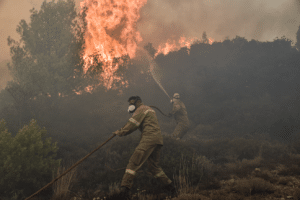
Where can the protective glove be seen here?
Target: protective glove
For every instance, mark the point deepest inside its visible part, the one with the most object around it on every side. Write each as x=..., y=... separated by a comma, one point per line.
x=118, y=133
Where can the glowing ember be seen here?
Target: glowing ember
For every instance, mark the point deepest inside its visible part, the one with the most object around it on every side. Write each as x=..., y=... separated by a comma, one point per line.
x=172, y=45
x=111, y=33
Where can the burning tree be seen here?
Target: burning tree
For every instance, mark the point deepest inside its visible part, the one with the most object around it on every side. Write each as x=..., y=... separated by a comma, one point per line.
x=111, y=35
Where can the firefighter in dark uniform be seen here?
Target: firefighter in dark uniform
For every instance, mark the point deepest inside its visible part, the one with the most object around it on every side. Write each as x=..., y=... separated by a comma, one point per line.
x=144, y=118
x=180, y=114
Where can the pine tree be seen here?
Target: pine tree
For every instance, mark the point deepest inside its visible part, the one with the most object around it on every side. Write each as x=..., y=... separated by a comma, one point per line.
x=46, y=61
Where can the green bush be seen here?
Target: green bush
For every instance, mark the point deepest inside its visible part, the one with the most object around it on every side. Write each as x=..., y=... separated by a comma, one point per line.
x=26, y=160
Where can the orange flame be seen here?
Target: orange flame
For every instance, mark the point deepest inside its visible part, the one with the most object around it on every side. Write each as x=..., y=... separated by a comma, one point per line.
x=111, y=33
x=170, y=46
x=210, y=40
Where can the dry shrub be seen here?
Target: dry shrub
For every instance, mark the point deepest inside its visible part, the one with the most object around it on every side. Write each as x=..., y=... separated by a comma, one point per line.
x=244, y=148
x=224, y=150
x=114, y=189
x=244, y=167
x=285, y=180
x=195, y=173
x=61, y=188
x=290, y=170
x=294, y=159
x=266, y=175
x=255, y=185
x=296, y=143
x=296, y=195
x=213, y=148
x=203, y=170
x=112, y=194
x=143, y=196
x=275, y=151
x=182, y=184
x=218, y=195
x=191, y=197
x=202, y=131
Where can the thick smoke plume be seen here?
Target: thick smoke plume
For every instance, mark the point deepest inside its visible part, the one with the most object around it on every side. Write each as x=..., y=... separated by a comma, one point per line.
x=259, y=20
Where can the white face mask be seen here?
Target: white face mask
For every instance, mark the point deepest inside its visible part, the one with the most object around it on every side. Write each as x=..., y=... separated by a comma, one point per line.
x=131, y=108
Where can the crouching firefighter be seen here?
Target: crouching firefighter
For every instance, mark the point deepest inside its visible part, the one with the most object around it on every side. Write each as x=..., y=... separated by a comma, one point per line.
x=144, y=118
x=181, y=117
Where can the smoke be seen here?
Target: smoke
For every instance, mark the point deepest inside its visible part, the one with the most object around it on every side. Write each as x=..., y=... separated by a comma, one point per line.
x=4, y=74
x=257, y=19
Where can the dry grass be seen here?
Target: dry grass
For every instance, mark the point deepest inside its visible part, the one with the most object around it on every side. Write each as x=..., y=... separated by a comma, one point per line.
x=183, y=181
x=188, y=189
x=233, y=179
x=61, y=188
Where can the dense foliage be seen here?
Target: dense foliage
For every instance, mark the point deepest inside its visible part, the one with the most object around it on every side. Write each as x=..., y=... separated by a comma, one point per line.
x=27, y=161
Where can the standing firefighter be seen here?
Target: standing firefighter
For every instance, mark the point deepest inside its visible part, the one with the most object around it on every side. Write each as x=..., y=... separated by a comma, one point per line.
x=144, y=119
x=180, y=114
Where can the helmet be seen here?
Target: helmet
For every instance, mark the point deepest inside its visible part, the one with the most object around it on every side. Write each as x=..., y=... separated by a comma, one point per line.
x=176, y=96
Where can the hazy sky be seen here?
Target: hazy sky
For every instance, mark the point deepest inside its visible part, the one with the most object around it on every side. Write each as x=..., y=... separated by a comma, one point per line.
x=163, y=19
x=253, y=19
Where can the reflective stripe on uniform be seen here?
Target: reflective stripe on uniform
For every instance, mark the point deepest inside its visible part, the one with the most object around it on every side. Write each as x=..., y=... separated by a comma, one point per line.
x=159, y=174
x=149, y=110
x=129, y=171
x=134, y=121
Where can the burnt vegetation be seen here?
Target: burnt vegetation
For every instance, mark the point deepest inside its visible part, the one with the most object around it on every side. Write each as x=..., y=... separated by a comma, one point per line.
x=242, y=99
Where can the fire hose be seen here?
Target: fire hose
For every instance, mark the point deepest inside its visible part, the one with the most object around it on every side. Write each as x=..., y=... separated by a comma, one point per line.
x=54, y=180
x=80, y=161
x=159, y=110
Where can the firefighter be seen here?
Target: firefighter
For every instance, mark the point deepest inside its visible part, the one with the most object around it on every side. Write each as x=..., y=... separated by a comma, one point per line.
x=144, y=118
x=180, y=115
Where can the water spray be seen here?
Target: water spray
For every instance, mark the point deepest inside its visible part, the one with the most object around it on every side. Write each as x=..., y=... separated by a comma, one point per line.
x=153, y=66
